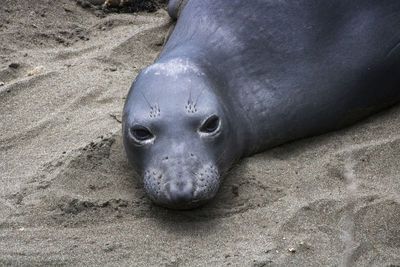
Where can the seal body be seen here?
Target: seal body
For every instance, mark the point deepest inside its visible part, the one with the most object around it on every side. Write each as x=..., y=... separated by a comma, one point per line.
x=238, y=77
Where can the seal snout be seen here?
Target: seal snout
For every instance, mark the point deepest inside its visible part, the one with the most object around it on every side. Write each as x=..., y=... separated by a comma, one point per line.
x=180, y=192
x=181, y=189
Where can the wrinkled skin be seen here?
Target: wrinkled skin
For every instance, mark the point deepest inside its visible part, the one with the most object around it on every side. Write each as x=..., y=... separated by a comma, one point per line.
x=236, y=78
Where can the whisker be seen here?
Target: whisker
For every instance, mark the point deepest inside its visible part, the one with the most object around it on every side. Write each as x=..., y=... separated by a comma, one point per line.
x=197, y=98
x=148, y=103
x=190, y=95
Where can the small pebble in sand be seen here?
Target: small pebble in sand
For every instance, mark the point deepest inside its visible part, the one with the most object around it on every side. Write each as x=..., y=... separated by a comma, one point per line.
x=84, y=3
x=112, y=3
x=35, y=71
x=14, y=65
x=235, y=190
x=292, y=250
x=97, y=2
x=174, y=260
x=67, y=9
x=2, y=83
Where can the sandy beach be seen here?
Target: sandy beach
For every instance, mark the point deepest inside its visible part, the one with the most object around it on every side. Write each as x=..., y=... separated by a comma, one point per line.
x=69, y=197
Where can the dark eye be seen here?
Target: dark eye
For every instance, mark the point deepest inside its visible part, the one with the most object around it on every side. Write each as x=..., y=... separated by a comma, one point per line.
x=210, y=125
x=141, y=133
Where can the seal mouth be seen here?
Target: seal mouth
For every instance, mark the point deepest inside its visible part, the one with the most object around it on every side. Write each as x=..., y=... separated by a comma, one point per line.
x=181, y=206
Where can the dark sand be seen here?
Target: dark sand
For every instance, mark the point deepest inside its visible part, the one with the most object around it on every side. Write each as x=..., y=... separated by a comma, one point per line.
x=69, y=197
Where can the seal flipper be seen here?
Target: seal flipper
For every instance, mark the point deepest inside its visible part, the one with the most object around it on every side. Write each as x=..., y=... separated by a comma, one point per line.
x=175, y=8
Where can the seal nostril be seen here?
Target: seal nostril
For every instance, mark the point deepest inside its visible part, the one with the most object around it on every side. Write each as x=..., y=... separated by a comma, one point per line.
x=180, y=192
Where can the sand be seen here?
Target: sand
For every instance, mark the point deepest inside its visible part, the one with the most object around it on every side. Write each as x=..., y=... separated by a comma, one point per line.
x=69, y=197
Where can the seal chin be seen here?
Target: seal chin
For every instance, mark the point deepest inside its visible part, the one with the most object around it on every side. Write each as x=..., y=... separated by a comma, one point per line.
x=185, y=192
x=181, y=204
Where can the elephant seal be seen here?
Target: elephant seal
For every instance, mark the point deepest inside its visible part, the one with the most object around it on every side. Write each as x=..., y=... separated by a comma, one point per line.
x=238, y=77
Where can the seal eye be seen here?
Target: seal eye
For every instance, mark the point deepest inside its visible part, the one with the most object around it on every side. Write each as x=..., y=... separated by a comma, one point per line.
x=141, y=133
x=210, y=125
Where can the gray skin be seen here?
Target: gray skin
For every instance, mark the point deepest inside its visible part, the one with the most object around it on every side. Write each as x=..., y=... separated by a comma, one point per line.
x=237, y=77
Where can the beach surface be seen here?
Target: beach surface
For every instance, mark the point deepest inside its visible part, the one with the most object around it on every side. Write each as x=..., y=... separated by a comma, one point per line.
x=69, y=197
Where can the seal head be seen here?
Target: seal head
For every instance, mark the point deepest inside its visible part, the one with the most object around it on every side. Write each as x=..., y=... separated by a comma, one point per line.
x=177, y=133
